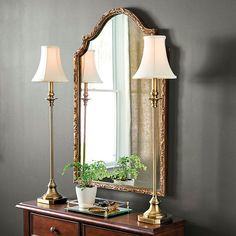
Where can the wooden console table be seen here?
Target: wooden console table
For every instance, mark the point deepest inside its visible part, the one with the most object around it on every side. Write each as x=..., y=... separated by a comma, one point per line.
x=44, y=220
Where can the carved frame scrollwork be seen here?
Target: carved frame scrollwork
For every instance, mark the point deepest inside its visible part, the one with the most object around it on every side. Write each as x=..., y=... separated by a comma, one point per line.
x=162, y=104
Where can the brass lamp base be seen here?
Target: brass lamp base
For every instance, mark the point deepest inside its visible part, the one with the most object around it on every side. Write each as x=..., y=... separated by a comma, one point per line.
x=160, y=221
x=154, y=215
x=52, y=197
x=61, y=200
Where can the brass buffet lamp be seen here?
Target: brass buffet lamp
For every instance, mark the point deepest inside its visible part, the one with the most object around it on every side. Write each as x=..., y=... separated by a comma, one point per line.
x=50, y=71
x=154, y=65
x=89, y=74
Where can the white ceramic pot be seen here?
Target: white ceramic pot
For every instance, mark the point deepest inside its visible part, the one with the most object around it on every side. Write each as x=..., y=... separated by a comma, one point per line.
x=124, y=182
x=86, y=197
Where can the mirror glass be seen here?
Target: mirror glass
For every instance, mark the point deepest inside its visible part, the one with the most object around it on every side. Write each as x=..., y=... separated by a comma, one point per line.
x=118, y=111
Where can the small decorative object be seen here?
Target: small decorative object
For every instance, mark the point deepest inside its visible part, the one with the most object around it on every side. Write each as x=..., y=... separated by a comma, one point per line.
x=87, y=173
x=154, y=65
x=109, y=207
x=102, y=207
x=128, y=170
x=50, y=71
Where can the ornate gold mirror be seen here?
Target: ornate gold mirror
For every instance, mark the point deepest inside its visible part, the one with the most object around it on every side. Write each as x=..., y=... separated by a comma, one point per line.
x=117, y=109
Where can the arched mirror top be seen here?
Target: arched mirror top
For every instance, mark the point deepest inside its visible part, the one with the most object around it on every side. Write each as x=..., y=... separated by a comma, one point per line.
x=102, y=22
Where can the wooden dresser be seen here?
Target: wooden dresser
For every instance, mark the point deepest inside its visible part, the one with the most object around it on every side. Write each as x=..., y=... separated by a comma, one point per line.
x=44, y=220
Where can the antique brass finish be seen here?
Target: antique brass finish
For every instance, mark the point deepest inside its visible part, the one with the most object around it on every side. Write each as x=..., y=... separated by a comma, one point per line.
x=153, y=215
x=85, y=99
x=51, y=196
x=162, y=107
x=154, y=94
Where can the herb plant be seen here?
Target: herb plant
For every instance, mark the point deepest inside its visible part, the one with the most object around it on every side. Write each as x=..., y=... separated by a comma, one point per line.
x=128, y=168
x=88, y=172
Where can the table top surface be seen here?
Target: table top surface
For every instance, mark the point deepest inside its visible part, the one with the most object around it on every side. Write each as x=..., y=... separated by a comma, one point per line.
x=126, y=222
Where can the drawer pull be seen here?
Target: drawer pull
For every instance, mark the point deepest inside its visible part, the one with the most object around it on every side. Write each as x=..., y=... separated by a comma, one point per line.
x=53, y=230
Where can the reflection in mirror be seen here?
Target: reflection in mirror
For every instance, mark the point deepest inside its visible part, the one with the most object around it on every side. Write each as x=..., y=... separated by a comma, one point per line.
x=89, y=75
x=108, y=110
x=118, y=110
x=116, y=116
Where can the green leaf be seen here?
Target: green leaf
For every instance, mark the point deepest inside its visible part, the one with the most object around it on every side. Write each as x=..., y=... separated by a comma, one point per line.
x=87, y=173
x=129, y=167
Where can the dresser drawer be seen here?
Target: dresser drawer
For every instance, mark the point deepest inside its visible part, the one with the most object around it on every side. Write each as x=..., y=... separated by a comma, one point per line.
x=48, y=226
x=89, y=230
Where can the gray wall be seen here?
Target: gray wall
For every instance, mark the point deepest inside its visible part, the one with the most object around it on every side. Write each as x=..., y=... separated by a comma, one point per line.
x=202, y=123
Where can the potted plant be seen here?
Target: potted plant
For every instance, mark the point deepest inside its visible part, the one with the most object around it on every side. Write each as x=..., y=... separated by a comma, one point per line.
x=86, y=190
x=127, y=170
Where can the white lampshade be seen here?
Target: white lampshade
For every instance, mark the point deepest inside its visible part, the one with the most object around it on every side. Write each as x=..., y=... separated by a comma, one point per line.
x=89, y=69
x=50, y=68
x=154, y=63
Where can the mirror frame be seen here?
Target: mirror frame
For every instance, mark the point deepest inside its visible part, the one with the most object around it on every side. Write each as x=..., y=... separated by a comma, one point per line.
x=162, y=105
